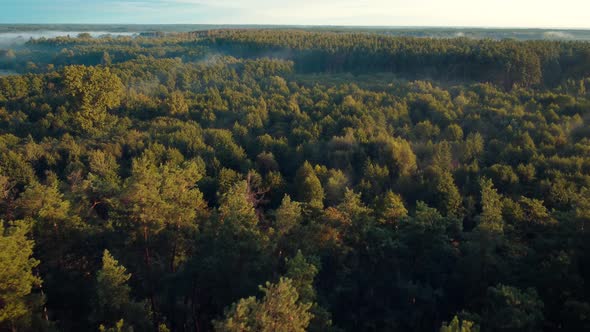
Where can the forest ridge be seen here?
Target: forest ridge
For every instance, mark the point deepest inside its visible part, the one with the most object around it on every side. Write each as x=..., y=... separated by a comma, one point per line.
x=294, y=180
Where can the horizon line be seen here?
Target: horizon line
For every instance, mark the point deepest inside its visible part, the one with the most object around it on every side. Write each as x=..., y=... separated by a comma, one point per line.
x=320, y=25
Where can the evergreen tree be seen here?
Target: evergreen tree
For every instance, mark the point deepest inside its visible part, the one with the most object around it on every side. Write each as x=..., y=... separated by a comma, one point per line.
x=402, y=157
x=392, y=208
x=113, y=294
x=112, y=289
x=94, y=90
x=278, y=310
x=457, y=325
x=16, y=273
x=236, y=209
x=511, y=309
x=287, y=216
x=309, y=187
x=176, y=104
x=120, y=326
x=491, y=205
x=303, y=273
x=448, y=197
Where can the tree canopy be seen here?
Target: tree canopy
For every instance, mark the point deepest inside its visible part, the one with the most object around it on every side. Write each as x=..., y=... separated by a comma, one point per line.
x=369, y=182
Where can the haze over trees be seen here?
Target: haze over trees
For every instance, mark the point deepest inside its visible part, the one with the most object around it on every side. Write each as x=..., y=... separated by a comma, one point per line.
x=289, y=180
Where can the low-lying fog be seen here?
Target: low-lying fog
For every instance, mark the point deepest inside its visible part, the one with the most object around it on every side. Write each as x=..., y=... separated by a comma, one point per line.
x=13, y=36
x=4, y=72
x=11, y=39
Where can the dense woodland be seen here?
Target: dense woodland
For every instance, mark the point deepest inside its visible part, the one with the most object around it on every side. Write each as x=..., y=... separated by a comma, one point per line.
x=267, y=180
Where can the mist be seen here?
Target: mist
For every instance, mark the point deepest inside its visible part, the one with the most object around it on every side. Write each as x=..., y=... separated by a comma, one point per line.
x=4, y=72
x=558, y=35
x=15, y=39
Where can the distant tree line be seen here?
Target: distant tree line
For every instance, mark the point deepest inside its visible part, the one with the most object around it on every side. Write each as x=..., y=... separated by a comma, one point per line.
x=507, y=63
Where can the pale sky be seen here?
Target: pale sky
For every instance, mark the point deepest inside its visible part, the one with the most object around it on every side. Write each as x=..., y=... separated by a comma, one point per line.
x=479, y=13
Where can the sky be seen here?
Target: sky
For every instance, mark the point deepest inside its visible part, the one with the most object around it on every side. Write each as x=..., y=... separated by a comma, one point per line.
x=461, y=13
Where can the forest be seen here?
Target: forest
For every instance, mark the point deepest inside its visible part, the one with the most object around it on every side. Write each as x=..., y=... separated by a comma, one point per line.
x=287, y=180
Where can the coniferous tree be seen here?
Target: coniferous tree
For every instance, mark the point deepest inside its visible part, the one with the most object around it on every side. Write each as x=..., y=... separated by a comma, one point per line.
x=114, y=306
x=278, y=310
x=94, y=90
x=457, y=325
x=303, y=274
x=392, y=208
x=491, y=203
x=509, y=308
x=176, y=104
x=17, y=279
x=309, y=187
x=287, y=216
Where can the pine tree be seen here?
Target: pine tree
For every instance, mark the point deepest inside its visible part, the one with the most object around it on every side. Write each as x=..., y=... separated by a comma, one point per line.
x=449, y=200
x=111, y=286
x=278, y=310
x=457, y=325
x=309, y=187
x=392, y=208
x=120, y=326
x=287, y=216
x=94, y=90
x=176, y=104
x=402, y=157
x=511, y=309
x=353, y=206
x=16, y=272
x=236, y=209
x=162, y=196
x=302, y=273
x=4, y=187
x=443, y=157
x=491, y=204
x=113, y=294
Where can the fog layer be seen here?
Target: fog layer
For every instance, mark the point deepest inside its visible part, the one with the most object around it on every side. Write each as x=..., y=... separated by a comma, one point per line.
x=12, y=39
